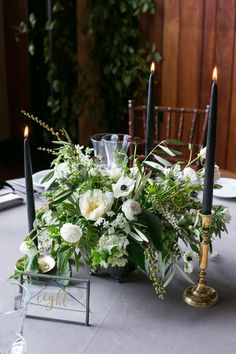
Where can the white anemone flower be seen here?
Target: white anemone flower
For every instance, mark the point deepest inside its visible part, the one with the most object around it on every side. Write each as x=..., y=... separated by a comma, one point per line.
x=71, y=233
x=188, y=261
x=28, y=248
x=191, y=176
x=131, y=208
x=123, y=187
x=94, y=204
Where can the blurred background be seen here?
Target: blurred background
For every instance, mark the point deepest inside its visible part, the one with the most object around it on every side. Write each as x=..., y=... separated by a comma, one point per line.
x=75, y=65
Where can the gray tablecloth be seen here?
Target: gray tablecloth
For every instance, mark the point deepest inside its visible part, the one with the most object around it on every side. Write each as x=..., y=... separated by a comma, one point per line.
x=129, y=318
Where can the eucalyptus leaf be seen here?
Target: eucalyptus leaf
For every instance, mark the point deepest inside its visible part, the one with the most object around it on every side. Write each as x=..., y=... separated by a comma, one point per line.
x=162, y=161
x=153, y=165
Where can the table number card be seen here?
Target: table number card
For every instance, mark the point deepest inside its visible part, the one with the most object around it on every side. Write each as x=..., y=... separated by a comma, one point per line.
x=58, y=298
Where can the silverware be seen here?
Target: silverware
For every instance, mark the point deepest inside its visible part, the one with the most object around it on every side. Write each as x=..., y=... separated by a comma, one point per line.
x=20, y=188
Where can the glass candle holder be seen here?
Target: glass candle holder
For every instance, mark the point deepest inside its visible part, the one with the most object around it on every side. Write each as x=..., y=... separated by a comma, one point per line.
x=99, y=147
x=116, y=147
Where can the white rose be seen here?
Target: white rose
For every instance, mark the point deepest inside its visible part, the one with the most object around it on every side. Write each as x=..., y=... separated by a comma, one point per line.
x=71, y=233
x=123, y=187
x=94, y=204
x=131, y=208
x=191, y=176
x=28, y=248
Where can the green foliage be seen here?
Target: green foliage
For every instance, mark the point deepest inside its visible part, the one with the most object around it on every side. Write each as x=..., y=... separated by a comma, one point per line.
x=122, y=59
x=55, y=40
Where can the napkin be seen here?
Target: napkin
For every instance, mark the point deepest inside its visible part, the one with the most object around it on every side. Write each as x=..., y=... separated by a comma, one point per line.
x=9, y=200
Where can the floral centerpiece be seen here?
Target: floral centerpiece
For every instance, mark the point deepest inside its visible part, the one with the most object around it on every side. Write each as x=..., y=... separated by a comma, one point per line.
x=144, y=210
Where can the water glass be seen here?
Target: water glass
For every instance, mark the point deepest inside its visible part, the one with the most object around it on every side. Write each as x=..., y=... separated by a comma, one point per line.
x=14, y=300
x=116, y=146
x=99, y=148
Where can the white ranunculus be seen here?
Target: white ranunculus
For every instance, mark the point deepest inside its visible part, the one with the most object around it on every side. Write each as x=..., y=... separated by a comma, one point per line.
x=94, y=204
x=216, y=173
x=62, y=170
x=71, y=233
x=131, y=208
x=28, y=248
x=123, y=187
x=191, y=176
x=202, y=153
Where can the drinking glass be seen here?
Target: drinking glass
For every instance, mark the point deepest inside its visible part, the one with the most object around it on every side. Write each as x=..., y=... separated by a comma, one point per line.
x=99, y=148
x=116, y=146
x=14, y=300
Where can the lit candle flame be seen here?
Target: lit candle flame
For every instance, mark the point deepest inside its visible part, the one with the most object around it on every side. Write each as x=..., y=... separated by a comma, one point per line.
x=26, y=132
x=152, y=67
x=214, y=75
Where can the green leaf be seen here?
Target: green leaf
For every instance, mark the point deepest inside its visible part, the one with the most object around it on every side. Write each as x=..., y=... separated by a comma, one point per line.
x=184, y=275
x=169, y=279
x=61, y=196
x=140, y=234
x=154, y=228
x=47, y=177
x=63, y=248
x=77, y=258
x=175, y=142
x=153, y=165
x=31, y=264
x=162, y=161
x=136, y=254
x=167, y=150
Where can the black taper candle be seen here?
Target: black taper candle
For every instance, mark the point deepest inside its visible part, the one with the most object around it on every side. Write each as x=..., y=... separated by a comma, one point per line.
x=28, y=182
x=150, y=112
x=210, y=151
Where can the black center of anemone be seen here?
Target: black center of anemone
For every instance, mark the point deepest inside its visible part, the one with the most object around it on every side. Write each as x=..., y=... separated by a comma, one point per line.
x=123, y=187
x=189, y=259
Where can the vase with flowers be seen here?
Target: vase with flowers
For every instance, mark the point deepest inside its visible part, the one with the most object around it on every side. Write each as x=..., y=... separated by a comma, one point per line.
x=145, y=211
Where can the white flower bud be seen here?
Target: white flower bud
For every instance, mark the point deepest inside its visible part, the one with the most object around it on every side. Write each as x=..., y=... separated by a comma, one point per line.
x=71, y=233
x=28, y=248
x=131, y=208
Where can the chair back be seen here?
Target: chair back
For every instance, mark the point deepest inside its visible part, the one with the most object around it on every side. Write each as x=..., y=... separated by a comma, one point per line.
x=186, y=124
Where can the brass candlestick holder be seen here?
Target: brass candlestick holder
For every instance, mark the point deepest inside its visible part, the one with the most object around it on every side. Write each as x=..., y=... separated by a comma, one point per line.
x=201, y=295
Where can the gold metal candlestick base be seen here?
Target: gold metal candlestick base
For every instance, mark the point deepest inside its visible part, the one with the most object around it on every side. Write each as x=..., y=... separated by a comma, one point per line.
x=201, y=295
x=206, y=297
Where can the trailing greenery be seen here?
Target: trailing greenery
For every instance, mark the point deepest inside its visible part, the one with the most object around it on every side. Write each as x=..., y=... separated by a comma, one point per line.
x=56, y=38
x=122, y=60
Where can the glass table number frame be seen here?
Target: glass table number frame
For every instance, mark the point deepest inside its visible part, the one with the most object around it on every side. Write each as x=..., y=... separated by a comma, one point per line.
x=57, y=298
